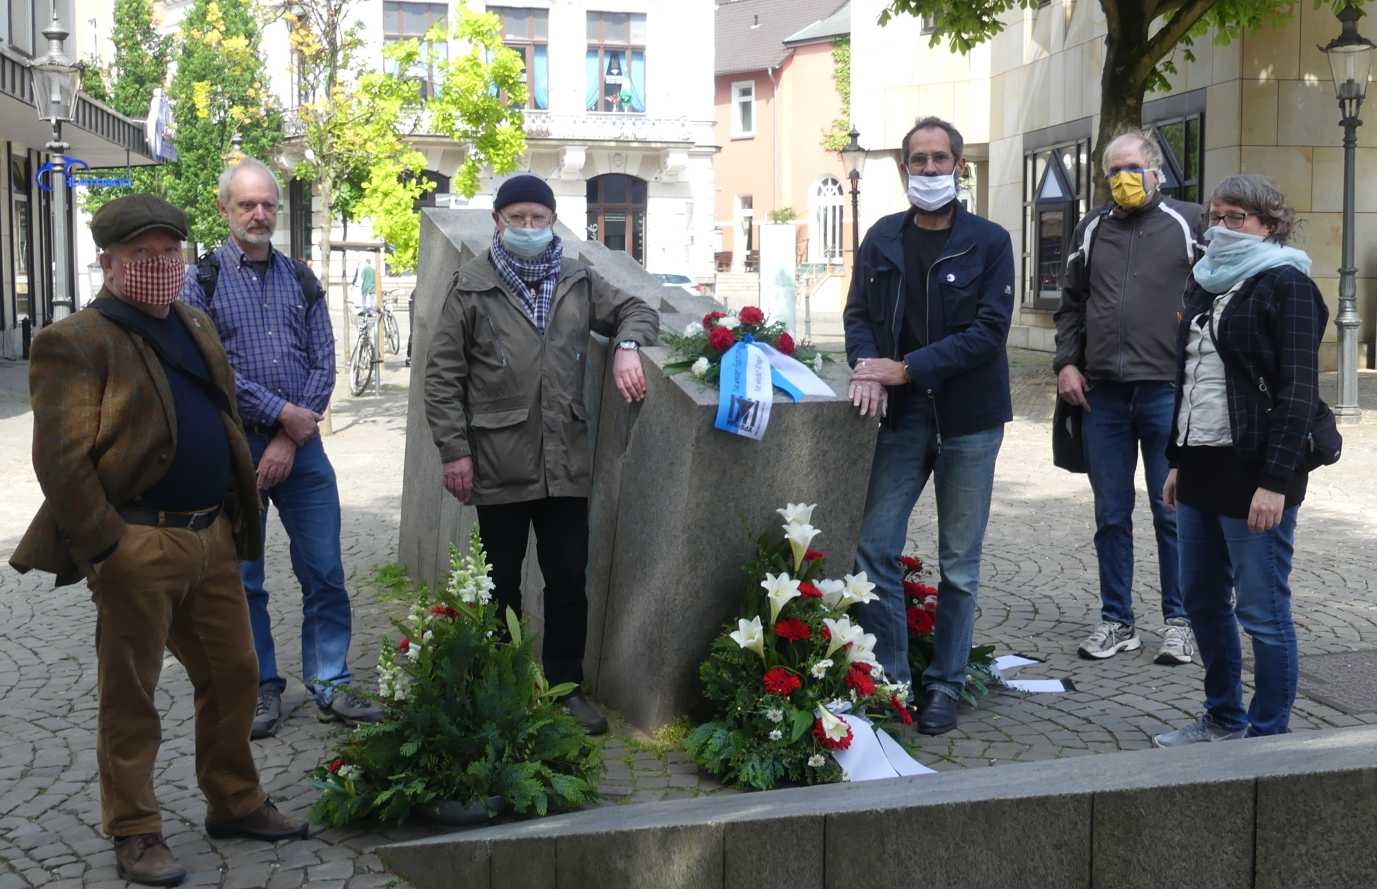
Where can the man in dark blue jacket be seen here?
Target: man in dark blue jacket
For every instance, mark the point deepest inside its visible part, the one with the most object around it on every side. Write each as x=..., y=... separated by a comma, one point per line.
x=927, y=320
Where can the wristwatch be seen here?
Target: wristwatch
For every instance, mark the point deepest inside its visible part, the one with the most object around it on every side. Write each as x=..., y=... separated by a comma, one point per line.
x=629, y=346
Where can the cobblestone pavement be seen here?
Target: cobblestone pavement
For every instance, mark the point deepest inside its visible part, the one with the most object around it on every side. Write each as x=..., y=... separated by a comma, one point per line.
x=1039, y=598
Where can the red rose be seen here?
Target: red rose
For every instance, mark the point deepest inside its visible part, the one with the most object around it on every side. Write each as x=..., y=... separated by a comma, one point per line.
x=792, y=629
x=910, y=563
x=785, y=344
x=821, y=734
x=711, y=318
x=780, y=681
x=751, y=315
x=721, y=339
x=808, y=591
x=335, y=766
x=913, y=590
x=920, y=622
x=901, y=710
x=860, y=681
x=403, y=645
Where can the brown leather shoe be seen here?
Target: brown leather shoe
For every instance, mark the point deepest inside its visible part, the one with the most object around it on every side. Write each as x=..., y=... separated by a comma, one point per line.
x=145, y=859
x=263, y=823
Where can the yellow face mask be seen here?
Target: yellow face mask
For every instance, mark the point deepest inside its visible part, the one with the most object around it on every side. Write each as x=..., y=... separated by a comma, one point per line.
x=1129, y=188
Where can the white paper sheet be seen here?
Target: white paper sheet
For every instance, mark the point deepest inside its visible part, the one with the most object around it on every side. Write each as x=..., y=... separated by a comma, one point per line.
x=873, y=754
x=1008, y=664
x=1040, y=686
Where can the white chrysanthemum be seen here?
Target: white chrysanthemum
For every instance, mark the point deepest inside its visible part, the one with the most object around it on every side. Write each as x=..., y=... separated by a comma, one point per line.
x=774, y=714
x=700, y=367
x=816, y=760
x=774, y=736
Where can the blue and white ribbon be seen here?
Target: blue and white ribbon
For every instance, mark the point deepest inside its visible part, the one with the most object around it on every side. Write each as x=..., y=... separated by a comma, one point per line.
x=748, y=373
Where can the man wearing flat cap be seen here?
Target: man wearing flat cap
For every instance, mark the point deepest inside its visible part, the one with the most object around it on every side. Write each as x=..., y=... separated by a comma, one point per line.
x=150, y=494
x=504, y=398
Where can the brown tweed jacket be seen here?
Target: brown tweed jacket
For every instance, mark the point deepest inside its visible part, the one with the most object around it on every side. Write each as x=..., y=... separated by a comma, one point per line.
x=105, y=431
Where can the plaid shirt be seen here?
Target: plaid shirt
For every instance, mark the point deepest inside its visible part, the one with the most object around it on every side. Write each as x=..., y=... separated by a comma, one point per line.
x=515, y=272
x=1269, y=338
x=281, y=349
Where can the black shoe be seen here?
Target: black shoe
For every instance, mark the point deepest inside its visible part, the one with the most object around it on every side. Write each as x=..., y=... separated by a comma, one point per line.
x=938, y=715
x=584, y=713
x=267, y=715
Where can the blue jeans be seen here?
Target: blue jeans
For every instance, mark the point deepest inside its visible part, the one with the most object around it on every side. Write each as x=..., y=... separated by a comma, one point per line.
x=1220, y=557
x=307, y=501
x=964, y=466
x=1122, y=418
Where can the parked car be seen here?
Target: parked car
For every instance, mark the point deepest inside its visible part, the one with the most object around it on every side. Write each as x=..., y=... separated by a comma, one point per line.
x=682, y=281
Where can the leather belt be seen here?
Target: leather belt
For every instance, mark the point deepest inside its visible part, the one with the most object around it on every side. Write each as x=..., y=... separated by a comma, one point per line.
x=193, y=521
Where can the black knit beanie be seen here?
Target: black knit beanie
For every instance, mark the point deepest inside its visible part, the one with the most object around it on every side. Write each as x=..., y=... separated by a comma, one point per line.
x=524, y=188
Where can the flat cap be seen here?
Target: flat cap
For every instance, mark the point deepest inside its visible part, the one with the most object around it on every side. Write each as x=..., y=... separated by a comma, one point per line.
x=132, y=215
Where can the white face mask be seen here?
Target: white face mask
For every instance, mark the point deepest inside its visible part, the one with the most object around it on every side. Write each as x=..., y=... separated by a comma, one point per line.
x=930, y=193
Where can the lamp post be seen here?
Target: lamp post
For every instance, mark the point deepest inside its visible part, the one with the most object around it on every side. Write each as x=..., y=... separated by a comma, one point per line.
x=55, y=83
x=853, y=157
x=1350, y=60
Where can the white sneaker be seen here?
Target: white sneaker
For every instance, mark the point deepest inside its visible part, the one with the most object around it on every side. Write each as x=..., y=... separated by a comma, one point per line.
x=1108, y=639
x=1203, y=730
x=1178, y=643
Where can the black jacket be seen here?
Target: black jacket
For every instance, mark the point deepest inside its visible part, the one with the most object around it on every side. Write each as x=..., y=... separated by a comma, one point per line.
x=1269, y=337
x=964, y=368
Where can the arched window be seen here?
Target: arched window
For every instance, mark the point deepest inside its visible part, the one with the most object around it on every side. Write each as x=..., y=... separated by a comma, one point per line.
x=825, y=240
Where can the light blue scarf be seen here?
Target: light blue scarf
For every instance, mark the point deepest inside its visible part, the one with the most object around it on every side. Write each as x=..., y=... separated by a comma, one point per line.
x=1233, y=257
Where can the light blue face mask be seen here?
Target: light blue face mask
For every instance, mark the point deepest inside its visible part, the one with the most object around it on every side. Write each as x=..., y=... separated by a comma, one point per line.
x=527, y=243
x=1233, y=257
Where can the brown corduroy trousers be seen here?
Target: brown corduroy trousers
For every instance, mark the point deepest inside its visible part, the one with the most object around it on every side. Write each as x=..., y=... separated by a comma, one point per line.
x=177, y=589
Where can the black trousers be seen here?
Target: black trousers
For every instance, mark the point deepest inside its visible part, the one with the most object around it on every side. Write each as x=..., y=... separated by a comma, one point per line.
x=561, y=528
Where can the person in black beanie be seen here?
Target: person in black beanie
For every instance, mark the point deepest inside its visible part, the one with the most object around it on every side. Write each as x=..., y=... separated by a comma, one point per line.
x=504, y=397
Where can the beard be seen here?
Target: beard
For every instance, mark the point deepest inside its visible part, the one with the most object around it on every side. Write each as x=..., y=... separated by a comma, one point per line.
x=254, y=233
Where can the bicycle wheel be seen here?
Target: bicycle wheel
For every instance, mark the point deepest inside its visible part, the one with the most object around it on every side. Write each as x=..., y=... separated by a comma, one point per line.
x=361, y=367
x=391, y=336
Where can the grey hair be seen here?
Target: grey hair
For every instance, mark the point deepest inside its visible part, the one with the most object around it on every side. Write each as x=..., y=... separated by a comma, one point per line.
x=245, y=163
x=958, y=144
x=1147, y=142
x=1260, y=196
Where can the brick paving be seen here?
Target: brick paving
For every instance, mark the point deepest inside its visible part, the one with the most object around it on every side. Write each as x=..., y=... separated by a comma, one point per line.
x=1039, y=598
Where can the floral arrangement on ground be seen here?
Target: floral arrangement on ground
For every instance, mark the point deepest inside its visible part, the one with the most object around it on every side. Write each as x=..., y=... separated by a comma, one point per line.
x=779, y=678
x=470, y=718
x=699, y=349
x=920, y=600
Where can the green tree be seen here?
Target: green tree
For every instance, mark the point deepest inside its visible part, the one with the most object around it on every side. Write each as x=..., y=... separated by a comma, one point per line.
x=140, y=67
x=838, y=135
x=1141, y=38
x=219, y=93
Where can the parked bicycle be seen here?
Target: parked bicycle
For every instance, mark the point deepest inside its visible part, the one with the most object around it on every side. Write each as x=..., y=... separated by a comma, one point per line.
x=364, y=359
x=392, y=336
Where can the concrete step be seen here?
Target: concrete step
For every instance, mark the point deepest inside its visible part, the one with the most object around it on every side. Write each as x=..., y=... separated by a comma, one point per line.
x=1266, y=813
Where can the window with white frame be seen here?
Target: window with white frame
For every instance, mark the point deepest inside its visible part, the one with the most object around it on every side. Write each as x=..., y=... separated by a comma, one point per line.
x=825, y=240
x=743, y=109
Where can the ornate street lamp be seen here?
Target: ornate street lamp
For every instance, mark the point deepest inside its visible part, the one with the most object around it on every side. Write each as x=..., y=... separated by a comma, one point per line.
x=1350, y=60
x=56, y=80
x=853, y=157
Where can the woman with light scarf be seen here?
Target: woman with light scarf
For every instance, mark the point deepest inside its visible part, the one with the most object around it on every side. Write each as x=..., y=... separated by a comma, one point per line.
x=1247, y=398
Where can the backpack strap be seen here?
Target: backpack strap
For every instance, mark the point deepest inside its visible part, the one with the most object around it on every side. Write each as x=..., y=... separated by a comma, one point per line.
x=208, y=274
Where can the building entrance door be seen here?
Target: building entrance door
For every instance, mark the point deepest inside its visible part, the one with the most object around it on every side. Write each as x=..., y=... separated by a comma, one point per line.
x=616, y=213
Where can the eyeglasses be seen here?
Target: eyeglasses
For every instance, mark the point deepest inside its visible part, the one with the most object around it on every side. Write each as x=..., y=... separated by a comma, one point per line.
x=1229, y=220
x=920, y=161
x=535, y=220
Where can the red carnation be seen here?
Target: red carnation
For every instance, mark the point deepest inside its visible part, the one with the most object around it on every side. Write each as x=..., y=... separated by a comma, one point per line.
x=821, y=734
x=920, y=621
x=335, y=766
x=910, y=563
x=785, y=344
x=913, y=590
x=444, y=611
x=780, y=681
x=808, y=591
x=824, y=632
x=904, y=716
x=751, y=315
x=860, y=681
x=792, y=629
x=403, y=645
x=721, y=339
x=711, y=318
x=812, y=555
x=862, y=666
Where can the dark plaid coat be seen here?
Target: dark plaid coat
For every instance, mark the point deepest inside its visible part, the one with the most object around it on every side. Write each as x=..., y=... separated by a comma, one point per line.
x=1269, y=337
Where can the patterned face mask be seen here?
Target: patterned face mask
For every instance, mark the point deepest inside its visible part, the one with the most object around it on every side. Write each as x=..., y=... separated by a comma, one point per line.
x=155, y=281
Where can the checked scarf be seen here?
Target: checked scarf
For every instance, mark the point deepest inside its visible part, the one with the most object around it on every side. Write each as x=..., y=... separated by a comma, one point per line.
x=542, y=273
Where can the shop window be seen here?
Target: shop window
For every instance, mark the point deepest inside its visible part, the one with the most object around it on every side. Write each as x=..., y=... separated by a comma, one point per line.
x=616, y=65
x=1057, y=191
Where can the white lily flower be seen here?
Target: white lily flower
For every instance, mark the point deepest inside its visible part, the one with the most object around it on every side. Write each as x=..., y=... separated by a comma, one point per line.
x=841, y=631
x=693, y=328
x=832, y=592
x=775, y=715
x=774, y=735
x=859, y=590
x=731, y=322
x=862, y=649
x=797, y=513
x=799, y=536
x=816, y=760
x=750, y=634
x=834, y=728
x=780, y=588
x=817, y=363
x=820, y=669
x=700, y=367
